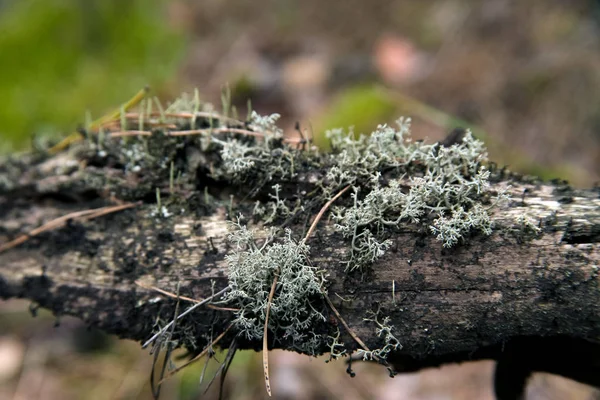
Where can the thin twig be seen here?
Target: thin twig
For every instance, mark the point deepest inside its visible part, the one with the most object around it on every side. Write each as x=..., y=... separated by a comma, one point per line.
x=60, y=221
x=265, y=338
x=199, y=356
x=322, y=211
x=350, y=331
x=216, y=130
x=308, y=234
x=226, y=130
x=183, y=314
x=199, y=132
x=185, y=115
x=129, y=133
x=174, y=296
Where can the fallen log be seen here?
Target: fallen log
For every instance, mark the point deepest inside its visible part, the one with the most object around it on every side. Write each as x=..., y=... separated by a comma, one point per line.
x=429, y=259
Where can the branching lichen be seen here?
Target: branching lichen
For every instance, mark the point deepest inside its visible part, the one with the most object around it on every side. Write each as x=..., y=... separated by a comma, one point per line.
x=445, y=188
x=266, y=158
x=252, y=268
x=390, y=342
x=395, y=182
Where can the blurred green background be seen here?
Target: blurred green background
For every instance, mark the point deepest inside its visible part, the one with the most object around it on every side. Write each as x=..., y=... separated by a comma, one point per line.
x=525, y=76
x=62, y=58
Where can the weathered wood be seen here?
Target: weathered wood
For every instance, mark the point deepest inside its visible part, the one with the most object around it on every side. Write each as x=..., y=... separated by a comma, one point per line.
x=446, y=305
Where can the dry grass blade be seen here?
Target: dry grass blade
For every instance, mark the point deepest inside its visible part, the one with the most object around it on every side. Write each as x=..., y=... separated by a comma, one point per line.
x=60, y=221
x=183, y=314
x=174, y=296
x=129, y=133
x=265, y=331
x=168, y=294
x=322, y=211
x=199, y=356
x=350, y=331
x=76, y=136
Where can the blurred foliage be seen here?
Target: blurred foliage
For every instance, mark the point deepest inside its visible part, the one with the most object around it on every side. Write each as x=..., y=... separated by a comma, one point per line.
x=61, y=58
x=362, y=107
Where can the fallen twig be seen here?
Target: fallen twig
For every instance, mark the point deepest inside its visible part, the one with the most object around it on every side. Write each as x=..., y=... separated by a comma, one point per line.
x=199, y=356
x=60, y=221
x=183, y=314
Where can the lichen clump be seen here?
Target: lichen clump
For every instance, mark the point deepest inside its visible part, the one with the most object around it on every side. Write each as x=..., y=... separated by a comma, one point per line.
x=441, y=186
x=252, y=269
x=268, y=157
x=395, y=183
x=394, y=180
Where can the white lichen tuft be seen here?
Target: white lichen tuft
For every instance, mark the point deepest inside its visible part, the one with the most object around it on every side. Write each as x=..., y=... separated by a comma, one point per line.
x=266, y=157
x=449, y=230
x=445, y=190
x=267, y=125
x=252, y=268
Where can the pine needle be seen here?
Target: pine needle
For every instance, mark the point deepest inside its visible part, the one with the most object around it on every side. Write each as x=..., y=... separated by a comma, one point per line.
x=61, y=221
x=174, y=296
x=183, y=314
x=265, y=338
x=198, y=357
x=308, y=234
x=322, y=211
x=76, y=136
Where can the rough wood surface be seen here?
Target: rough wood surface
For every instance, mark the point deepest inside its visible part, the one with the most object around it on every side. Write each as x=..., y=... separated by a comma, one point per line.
x=446, y=305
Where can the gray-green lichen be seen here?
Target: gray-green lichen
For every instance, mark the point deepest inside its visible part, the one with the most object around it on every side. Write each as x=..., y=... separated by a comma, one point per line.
x=252, y=269
x=394, y=182
x=267, y=157
x=384, y=331
x=441, y=186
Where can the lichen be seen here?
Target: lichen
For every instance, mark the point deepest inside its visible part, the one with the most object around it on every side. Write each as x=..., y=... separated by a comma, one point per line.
x=395, y=182
x=445, y=189
x=250, y=158
x=390, y=342
x=252, y=268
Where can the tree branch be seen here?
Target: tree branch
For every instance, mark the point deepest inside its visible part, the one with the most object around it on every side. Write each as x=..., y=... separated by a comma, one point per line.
x=535, y=276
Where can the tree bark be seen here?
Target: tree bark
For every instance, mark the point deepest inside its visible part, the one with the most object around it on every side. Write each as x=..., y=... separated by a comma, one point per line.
x=536, y=292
